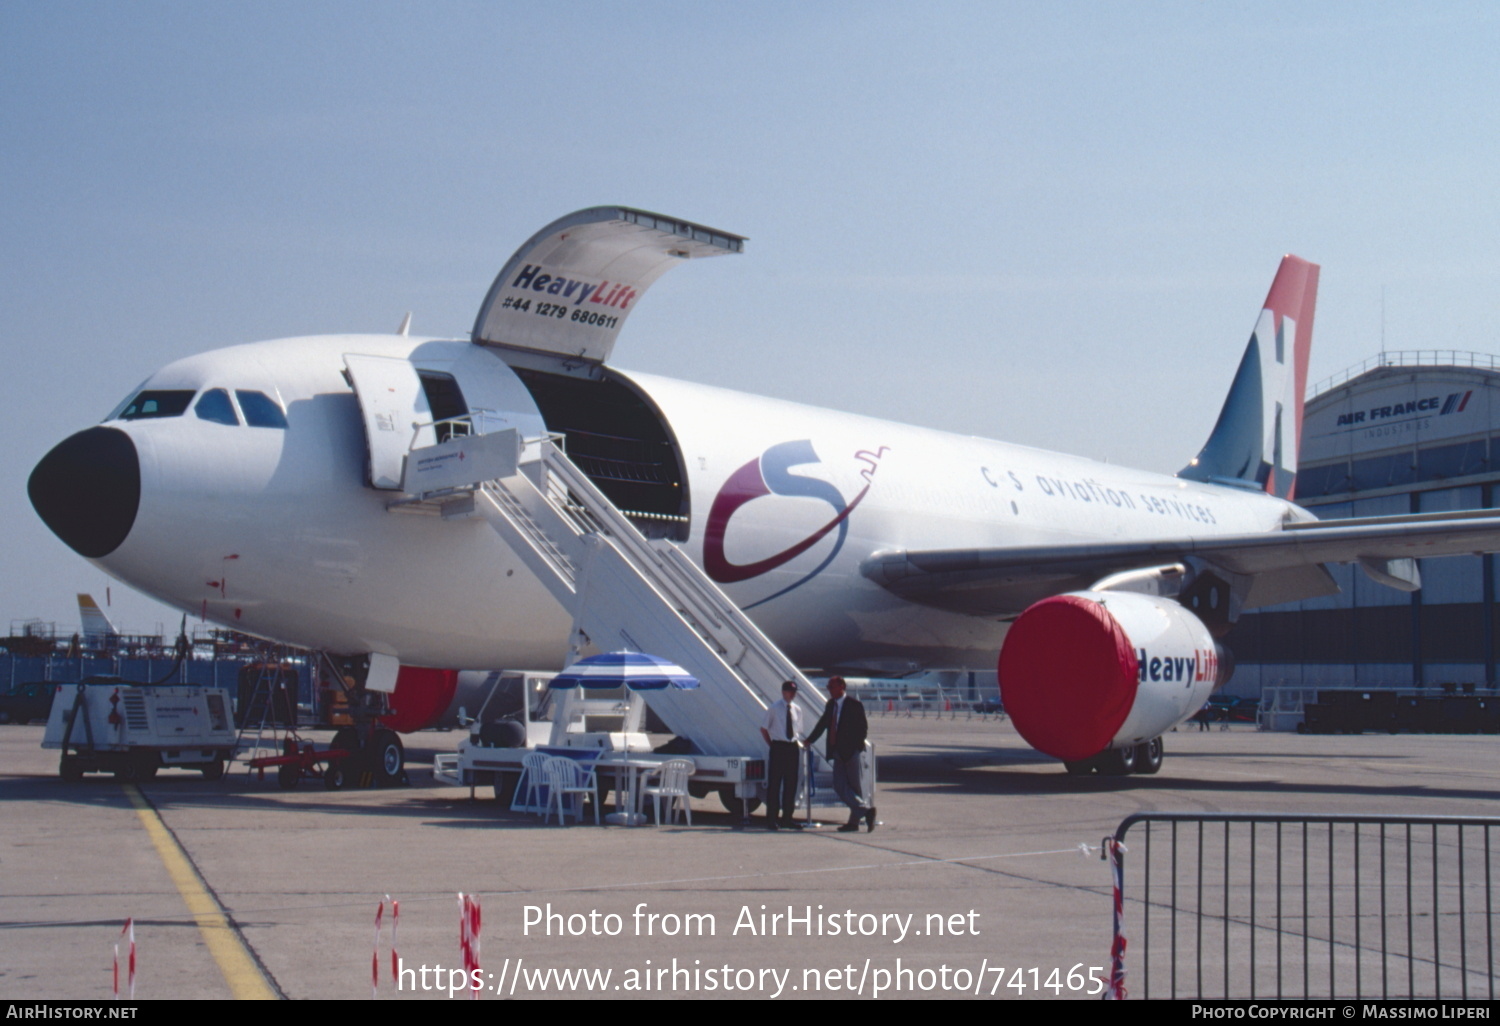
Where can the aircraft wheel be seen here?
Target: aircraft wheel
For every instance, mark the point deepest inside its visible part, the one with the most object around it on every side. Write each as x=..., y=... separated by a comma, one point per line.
x=1148, y=756
x=70, y=768
x=739, y=808
x=389, y=759
x=287, y=776
x=213, y=770
x=333, y=776
x=1117, y=762
x=1079, y=769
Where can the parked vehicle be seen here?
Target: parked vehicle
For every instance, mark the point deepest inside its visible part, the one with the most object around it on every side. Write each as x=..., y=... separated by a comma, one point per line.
x=26, y=702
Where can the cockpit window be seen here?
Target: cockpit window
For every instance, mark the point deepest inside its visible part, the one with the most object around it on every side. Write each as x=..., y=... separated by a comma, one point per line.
x=260, y=410
x=214, y=405
x=156, y=404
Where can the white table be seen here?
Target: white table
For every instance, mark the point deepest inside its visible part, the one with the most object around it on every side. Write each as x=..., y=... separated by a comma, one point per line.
x=632, y=765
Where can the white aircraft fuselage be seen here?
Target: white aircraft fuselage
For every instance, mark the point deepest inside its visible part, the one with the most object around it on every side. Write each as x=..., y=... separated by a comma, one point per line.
x=275, y=531
x=291, y=489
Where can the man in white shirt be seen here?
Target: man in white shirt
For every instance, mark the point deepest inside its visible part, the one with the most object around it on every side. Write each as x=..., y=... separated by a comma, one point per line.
x=782, y=729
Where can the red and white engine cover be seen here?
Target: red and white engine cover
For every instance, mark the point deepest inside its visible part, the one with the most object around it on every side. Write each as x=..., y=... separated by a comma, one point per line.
x=1093, y=670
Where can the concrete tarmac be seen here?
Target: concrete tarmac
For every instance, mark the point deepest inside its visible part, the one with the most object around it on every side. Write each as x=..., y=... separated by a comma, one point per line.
x=986, y=859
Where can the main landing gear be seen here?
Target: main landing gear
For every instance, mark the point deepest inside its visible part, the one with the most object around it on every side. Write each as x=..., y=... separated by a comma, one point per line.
x=376, y=756
x=1143, y=758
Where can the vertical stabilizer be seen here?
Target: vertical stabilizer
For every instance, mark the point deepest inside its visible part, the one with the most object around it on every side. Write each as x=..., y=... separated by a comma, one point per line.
x=96, y=626
x=1259, y=431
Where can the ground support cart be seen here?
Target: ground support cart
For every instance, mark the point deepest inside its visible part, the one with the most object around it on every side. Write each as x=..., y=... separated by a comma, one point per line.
x=132, y=730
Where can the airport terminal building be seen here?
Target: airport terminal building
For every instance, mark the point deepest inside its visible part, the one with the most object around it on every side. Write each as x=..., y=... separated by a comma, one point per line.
x=1405, y=432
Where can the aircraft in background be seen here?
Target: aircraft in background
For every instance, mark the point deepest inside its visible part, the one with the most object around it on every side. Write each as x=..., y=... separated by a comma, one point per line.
x=98, y=632
x=277, y=488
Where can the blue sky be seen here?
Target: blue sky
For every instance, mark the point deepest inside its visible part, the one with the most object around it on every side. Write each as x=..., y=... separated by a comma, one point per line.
x=1051, y=223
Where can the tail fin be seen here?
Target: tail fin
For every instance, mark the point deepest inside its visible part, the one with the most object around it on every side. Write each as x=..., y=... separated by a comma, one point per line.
x=96, y=626
x=1255, y=442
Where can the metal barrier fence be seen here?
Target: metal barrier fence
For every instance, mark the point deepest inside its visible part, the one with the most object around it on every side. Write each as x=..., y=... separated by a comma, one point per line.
x=1262, y=906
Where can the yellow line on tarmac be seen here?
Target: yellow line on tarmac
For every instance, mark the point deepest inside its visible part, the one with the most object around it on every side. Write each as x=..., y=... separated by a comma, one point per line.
x=246, y=982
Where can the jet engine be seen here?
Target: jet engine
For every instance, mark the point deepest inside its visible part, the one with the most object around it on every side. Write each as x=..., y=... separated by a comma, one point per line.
x=420, y=698
x=1092, y=675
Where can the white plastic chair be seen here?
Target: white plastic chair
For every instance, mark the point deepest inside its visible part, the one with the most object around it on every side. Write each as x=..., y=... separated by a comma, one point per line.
x=673, y=787
x=532, y=777
x=566, y=778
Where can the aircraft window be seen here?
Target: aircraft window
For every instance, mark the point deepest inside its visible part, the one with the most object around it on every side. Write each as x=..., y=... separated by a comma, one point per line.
x=157, y=404
x=260, y=410
x=214, y=405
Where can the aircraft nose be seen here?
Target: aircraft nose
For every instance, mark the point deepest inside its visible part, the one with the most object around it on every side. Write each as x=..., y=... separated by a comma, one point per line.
x=88, y=490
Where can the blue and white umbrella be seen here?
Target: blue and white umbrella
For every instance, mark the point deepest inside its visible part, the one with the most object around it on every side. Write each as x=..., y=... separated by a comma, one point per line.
x=634, y=670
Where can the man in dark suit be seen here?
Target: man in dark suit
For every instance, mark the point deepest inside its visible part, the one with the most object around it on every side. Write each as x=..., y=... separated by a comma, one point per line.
x=844, y=719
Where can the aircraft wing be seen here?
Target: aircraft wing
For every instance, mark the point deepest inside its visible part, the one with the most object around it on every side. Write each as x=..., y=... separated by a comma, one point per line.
x=1285, y=565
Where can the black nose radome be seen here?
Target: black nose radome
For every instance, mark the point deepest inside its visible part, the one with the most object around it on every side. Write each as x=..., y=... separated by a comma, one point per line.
x=88, y=490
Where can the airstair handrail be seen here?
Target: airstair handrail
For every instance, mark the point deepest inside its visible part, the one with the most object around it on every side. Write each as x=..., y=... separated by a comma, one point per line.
x=622, y=532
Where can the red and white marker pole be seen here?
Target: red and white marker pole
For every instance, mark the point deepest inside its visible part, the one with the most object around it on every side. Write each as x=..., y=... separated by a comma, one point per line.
x=375, y=954
x=1116, y=989
x=395, y=960
x=468, y=938
x=128, y=930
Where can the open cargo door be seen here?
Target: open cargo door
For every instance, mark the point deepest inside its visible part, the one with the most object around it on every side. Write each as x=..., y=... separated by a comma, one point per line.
x=569, y=289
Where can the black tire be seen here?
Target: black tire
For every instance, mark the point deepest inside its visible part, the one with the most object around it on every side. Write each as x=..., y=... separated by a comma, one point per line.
x=736, y=806
x=1148, y=756
x=388, y=759
x=4, y=716
x=1117, y=762
x=345, y=739
x=333, y=775
x=502, y=734
x=70, y=768
x=505, y=787
x=1079, y=769
x=287, y=776
x=213, y=770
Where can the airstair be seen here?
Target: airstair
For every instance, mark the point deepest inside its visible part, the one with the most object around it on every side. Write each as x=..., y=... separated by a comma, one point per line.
x=626, y=591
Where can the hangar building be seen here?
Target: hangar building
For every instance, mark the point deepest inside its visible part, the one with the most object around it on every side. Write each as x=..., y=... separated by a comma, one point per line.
x=1404, y=432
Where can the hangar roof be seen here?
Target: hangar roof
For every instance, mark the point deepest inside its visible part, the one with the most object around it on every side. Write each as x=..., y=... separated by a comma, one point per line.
x=1399, y=419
